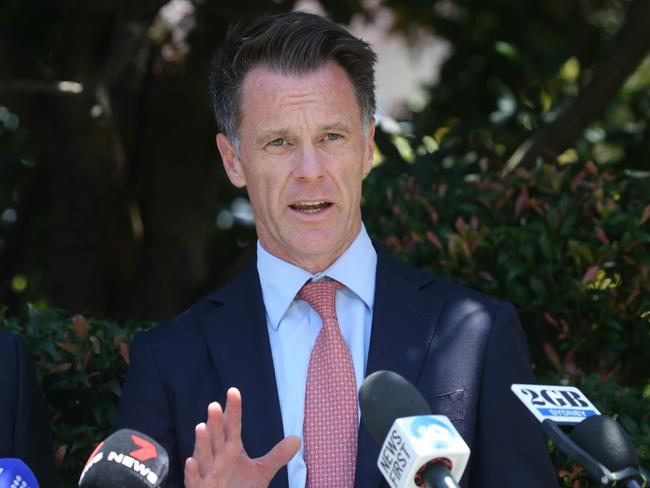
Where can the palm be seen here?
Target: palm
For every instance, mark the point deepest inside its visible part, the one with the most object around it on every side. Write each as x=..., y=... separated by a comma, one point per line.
x=220, y=460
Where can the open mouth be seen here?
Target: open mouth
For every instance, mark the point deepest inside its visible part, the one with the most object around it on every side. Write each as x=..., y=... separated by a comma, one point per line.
x=310, y=207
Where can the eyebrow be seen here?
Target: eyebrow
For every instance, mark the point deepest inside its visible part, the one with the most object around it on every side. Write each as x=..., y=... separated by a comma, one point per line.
x=336, y=127
x=270, y=135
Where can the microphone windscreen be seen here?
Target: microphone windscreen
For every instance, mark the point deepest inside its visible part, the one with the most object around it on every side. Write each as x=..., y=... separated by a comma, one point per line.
x=128, y=459
x=15, y=473
x=606, y=440
x=386, y=396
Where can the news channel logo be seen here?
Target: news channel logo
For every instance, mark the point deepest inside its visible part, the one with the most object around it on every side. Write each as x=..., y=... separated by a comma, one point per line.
x=433, y=431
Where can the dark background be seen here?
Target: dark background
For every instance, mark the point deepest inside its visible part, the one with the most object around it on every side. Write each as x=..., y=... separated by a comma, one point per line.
x=113, y=193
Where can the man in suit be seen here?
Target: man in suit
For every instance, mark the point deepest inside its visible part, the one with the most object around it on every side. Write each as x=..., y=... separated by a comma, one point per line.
x=24, y=430
x=321, y=307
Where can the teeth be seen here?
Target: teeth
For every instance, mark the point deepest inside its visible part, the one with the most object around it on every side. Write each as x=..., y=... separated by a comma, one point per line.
x=310, y=204
x=310, y=207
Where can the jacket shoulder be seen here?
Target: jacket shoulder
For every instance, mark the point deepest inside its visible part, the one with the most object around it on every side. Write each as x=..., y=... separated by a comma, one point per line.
x=187, y=323
x=391, y=267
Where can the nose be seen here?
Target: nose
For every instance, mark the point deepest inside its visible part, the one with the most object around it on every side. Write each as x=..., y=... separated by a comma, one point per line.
x=309, y=165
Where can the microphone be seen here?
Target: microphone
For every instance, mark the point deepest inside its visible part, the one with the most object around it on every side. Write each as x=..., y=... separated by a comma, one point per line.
x=127, y=458
x=597, y=442
x=14, y=473
x=418, y=449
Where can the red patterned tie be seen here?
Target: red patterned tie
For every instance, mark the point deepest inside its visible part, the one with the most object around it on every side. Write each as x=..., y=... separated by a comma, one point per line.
x=331, y=419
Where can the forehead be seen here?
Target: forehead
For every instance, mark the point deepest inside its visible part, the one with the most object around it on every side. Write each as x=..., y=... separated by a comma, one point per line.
x=268, y=93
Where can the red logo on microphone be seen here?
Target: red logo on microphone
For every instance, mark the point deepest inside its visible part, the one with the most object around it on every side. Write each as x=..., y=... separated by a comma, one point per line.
x=147, y=449
x=99, y=446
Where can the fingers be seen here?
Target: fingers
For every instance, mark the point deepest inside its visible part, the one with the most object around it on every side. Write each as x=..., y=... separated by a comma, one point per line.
x=232, y=421
x=192, y=476
x=280, y=455
x=218, y=441
x=203, y=454
x=215, y=428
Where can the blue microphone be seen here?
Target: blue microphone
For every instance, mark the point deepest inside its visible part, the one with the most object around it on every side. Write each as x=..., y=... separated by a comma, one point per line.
x=15, y=474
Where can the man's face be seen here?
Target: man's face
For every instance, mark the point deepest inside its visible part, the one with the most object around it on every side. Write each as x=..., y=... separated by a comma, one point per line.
x=303, y=154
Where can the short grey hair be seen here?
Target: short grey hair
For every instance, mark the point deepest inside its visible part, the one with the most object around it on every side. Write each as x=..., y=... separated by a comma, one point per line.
x=290, y=43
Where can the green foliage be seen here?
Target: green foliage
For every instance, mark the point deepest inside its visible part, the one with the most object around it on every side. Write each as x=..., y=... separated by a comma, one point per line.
x=514, y=66
x=80, y=363
x=567, y=244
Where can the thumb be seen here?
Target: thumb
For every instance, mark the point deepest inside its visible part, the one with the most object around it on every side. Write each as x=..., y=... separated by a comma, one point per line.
x=280, y=455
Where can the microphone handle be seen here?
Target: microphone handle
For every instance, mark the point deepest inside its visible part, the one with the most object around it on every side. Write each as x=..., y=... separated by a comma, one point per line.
x=436, y=475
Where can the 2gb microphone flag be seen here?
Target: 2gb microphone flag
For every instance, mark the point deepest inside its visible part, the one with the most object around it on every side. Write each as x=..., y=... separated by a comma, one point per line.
x=562, y=404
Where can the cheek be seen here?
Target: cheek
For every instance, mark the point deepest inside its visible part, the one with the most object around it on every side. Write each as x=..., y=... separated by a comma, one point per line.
x=266, y=190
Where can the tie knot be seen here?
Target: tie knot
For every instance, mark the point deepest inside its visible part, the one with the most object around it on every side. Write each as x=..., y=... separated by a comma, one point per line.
x=321, y=295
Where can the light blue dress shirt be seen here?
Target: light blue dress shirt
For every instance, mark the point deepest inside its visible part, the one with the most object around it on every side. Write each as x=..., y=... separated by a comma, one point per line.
x=293, y=326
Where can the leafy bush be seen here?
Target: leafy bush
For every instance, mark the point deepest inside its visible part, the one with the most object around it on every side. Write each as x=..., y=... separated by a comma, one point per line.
x=568, y=244
x=80, y=363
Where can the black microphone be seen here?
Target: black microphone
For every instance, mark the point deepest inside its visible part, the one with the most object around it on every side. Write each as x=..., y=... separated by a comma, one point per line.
x=128, y=459
x=597, y=442
x=14, y=473
x=418, y=449
x=606, y=440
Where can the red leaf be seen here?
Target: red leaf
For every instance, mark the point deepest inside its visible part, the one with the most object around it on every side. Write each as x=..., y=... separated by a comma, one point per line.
x=550, y=319
x=590, y=274
x=394, y=242
x=474, y=222
x=602, y=237
x=60, y=368
x=80, y=324
x=124, y=352
x=522, y=200
x=646, y=214
x=60, y=453
x=433, y=239
x=68, y=346
x=487, y=276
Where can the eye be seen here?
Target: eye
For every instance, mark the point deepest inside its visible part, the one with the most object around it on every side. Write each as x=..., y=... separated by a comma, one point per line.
x=332, y=136
x=277, y=142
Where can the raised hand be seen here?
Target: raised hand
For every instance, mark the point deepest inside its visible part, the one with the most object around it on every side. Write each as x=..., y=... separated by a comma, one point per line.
x=219, y=459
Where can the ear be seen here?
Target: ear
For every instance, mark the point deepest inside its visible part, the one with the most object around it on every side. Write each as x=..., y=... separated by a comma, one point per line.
x=369, y=156
x=231, y=162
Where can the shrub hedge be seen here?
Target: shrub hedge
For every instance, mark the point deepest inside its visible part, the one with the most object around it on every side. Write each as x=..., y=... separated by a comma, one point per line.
x=568, y=245
x=80, y=363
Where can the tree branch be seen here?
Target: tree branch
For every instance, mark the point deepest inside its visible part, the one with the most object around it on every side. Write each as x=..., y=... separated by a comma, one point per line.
x=631, y=47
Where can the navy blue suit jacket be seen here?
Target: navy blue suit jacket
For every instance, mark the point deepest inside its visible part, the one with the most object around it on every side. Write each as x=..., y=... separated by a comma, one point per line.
x=461, y=349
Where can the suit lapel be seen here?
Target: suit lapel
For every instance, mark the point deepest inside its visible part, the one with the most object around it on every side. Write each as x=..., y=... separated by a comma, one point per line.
x=404, y=320
x=237, y=337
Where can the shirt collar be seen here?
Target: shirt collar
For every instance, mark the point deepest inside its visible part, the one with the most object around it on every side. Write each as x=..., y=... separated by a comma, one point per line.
x=281, y=281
